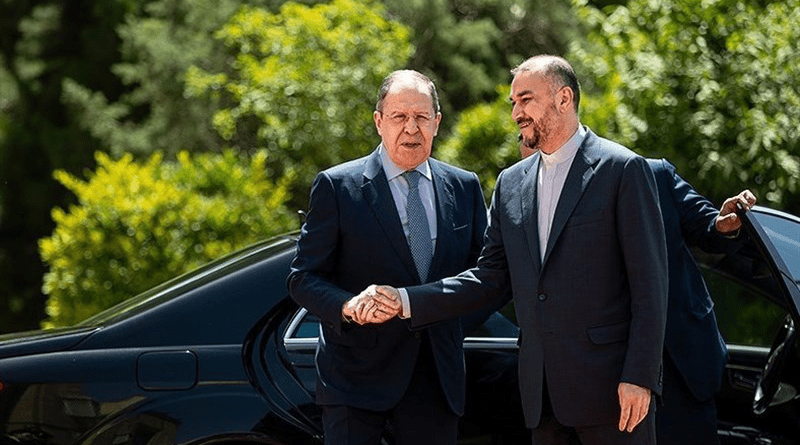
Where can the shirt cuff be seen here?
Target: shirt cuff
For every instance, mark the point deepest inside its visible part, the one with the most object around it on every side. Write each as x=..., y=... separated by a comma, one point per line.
x=406, y=313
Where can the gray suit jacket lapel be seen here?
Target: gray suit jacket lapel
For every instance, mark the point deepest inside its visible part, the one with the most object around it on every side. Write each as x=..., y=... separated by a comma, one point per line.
x=530, y=210
x=377, y=194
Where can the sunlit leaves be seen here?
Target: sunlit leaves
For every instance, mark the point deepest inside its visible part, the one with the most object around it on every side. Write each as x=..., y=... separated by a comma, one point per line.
x=136, y=225
x=484, y=140
x=711, y=85
x=302, y=82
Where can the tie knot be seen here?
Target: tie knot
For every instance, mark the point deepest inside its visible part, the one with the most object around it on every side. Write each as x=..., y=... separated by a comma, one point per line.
x=412, y=176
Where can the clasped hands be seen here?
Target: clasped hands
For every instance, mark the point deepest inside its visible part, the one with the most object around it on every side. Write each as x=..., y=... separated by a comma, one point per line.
x=375, y=304
x=378, y=304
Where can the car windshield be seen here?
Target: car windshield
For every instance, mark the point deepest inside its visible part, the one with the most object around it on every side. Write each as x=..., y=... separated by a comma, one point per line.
x=784, y=232
x=190, y=280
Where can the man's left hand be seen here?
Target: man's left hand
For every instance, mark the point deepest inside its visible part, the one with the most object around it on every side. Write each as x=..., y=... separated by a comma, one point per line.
x=634, y=402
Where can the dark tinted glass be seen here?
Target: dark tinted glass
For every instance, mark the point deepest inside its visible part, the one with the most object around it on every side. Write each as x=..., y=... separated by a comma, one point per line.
x=744, y=316
x=785, y=235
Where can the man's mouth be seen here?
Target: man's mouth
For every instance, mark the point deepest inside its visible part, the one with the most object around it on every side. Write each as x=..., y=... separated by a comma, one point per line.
x=523, y=124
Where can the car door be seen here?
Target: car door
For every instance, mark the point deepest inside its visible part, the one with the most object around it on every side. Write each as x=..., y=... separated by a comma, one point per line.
x=756, y=297
x=493, y=410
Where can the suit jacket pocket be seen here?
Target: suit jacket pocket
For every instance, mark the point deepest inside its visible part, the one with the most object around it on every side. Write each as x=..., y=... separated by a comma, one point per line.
x=585, y=218
x=610, y=333
x=700, y=302
x=459, y=229
x=357, y=337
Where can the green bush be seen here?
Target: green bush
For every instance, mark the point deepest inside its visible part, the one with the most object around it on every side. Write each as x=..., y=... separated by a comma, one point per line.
x=136, y=225
x=302, y=83
x=712, y=86
x=484, y=140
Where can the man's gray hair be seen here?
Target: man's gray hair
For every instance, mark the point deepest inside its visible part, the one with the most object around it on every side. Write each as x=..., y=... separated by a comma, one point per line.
x=412, y=75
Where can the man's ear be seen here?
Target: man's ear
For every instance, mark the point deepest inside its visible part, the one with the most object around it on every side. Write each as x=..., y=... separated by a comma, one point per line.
x=377, y=117
x=564, y=98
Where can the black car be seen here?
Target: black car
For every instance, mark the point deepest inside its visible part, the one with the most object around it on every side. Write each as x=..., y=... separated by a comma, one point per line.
x=222, y=355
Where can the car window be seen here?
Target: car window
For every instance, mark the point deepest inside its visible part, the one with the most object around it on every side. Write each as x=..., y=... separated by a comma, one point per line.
x=785, y=236
x=304, y=326
x=302, y=331
x=197, y=278
x=308, y=327
x=744, y=316
x=750, y=298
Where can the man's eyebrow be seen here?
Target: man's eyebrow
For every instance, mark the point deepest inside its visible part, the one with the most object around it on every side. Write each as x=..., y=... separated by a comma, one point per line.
x=520, y=94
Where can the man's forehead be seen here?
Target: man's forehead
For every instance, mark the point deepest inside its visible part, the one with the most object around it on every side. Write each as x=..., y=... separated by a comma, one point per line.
x=526, y=82
x=410, y=97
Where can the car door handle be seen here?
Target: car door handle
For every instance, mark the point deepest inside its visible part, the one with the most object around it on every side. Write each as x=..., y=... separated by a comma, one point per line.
x=744, y=379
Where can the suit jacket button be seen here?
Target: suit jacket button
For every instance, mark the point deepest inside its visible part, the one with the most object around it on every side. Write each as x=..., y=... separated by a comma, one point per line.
x=542, y=297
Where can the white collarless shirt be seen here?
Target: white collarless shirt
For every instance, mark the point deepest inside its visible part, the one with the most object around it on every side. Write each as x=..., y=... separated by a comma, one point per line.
x=553, y=170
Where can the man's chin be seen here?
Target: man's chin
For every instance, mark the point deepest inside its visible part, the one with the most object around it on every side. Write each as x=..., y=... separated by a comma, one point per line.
x=530, y=143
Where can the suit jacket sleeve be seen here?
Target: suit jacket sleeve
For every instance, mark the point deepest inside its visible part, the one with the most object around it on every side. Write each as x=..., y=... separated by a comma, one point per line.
x=643, y=244
x=698, y=216
x=309, y=280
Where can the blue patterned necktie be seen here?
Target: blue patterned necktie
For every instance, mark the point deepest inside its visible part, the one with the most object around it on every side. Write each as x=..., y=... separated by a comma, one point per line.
x=419, y=233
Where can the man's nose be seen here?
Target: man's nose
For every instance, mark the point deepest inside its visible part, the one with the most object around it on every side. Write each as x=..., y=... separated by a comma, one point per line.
x=516, y=112
x=410, y=125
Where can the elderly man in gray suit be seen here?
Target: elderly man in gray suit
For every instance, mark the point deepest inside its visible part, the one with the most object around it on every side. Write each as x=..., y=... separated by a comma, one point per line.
x=575, y=232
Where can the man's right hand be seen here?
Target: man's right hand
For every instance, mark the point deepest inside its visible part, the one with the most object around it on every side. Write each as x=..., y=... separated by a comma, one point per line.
x=728, y=221
x=372, y=306
x=388, y=292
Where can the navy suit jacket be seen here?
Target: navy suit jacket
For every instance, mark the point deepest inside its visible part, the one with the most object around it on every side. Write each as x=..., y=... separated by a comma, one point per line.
x=692, y=339
x=353, y=238
x=592, y=312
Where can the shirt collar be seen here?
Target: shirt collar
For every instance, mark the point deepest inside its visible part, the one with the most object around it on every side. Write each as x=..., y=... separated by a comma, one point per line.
x=393, y=171
x=566, y=151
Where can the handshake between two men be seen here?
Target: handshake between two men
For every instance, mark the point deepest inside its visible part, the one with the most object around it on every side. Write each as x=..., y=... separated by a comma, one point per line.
x=375, y=304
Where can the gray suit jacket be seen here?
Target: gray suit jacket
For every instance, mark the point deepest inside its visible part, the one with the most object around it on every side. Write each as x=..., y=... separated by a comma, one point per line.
x=591, y=313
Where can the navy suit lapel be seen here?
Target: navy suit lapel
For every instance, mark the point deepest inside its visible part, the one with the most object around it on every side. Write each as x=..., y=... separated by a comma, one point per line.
x=530, y=210
x=445, y=218
x=578, y=178
x=377, y=194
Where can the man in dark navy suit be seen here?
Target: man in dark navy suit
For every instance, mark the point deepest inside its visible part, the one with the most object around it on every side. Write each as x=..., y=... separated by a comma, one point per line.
x=575, y=233
x=694, y=352
x=395, y=216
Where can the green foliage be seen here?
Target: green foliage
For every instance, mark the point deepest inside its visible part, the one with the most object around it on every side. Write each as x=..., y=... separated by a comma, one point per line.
x=137, y=225
x=41, y=43
x=159, y=42
x=468, y=46
x=303, y=82
x=80, y=76
x=484, y=140
x=711, y=85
